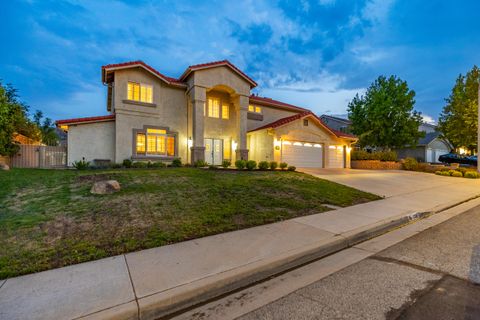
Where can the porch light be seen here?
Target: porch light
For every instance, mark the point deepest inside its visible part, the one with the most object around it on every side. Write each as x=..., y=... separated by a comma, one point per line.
x=339, y=147
x=349, y=149
x=276, y=142
x=190, y=142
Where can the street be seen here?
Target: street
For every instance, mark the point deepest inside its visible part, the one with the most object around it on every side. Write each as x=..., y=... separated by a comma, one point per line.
x=430, y=275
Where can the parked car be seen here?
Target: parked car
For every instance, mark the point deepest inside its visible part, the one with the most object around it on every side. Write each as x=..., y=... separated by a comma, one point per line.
x=456, y=158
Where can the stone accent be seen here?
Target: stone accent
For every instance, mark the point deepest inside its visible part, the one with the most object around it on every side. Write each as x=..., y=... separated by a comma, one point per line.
x=4, y=166
x=376, y=165
x=198, y=153
x=105, y=187
x=242, y=154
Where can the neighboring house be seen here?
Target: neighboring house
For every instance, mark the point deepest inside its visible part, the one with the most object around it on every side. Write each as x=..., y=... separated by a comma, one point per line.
x=428, y=148
x=336, y=122
x=208, y=113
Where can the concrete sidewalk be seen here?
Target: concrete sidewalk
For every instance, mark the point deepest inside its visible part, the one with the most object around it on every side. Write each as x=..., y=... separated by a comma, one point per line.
x=152, y=283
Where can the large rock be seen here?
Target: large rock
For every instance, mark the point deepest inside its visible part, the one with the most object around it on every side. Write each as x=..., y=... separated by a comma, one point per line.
x=4, y=166
x=105, y=187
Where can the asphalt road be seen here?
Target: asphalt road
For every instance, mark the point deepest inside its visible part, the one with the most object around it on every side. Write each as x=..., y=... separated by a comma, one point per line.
x=432, y=275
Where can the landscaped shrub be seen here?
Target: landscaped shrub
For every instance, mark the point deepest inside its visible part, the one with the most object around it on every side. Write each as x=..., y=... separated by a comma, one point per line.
x=450, y=172
x=410, y=164
x=292, y=168
x=200, y=164
x=273, y=165
x=462, y=170
x=251, y=164
x=283, y=165
x=212, y=167
x=177, y=162
x=240, y=164
x=457, y=174
x=81, y=164
x=471, y=175
x=158, y=164
x=139, y=164
x=115, y=165
x=442, y=173
x=379, y=155
x=127, y=163
x=226, y=163
x=263, y=165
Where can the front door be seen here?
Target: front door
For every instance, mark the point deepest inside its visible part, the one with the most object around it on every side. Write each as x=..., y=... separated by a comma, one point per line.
x=213, y=151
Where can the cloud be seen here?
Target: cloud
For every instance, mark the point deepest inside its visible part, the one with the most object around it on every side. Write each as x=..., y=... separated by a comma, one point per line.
x=428, y=119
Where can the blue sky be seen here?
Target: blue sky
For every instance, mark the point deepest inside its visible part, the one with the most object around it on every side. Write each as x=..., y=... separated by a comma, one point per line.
x=316, y=54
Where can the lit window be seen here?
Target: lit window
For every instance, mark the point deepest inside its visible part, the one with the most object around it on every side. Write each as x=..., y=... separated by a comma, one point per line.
x=297, y=143
x=155, y=142
x=226, y=149
x=254, y=109
x=214, y=108
x=139, y=92
x=287, y=142
x=316, y=145
x=307, y=144
x=225, y=111
x=140, y=143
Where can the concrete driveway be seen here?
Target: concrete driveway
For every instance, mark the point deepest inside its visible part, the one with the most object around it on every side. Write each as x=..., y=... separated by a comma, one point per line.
x=388, y=183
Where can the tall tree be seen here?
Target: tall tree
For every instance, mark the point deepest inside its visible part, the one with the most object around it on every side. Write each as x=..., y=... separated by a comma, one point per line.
x=384, y=117
x=13, y=119
x=47, y=129
x=458, y=121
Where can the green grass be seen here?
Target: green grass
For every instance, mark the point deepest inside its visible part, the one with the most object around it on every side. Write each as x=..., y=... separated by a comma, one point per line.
x=49, y=219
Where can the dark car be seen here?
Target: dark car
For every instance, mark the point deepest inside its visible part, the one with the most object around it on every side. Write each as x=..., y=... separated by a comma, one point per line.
x=456, y=158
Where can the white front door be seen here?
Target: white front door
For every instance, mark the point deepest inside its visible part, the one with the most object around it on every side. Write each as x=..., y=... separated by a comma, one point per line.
x=213, y=151
x=302, y=155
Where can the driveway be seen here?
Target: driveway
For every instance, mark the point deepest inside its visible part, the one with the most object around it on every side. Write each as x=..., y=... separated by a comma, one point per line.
x=390, y=183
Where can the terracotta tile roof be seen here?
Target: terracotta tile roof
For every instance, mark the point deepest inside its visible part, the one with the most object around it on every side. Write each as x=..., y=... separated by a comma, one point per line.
x=275, y=103
x=217, y=64
x=136, y=63
x=283, y=121
x=87, y=119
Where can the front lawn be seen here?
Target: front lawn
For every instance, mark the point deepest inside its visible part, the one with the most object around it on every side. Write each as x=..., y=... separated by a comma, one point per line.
x=48, y=218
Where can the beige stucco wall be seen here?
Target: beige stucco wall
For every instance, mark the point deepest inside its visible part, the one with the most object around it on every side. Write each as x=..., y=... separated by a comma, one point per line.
x=170, y=110
x=209, y=78
x=92, y=141
x=269, y=115
x=261, y=147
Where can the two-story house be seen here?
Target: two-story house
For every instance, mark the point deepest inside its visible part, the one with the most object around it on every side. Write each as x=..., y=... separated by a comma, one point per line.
x=208, y=113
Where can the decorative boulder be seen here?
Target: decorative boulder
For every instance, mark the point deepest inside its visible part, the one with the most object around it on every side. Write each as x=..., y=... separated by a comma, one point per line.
x=4, y=166
x=105, y=187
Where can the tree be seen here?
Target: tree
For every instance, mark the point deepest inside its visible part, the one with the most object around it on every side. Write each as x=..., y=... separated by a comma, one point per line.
x=13, y=119
x=458, y=121
x=384, y=117
x=47, y=129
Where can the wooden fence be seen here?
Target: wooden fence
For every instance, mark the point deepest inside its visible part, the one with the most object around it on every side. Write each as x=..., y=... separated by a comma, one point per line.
x=34, y=156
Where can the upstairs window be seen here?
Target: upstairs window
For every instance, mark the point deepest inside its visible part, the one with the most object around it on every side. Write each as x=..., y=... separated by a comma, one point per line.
x=225, y=111
x=254, y=109
x=214, y=108
x=140, y=92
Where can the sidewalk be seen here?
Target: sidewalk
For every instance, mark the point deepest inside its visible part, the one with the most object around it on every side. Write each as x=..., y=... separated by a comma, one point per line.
x=155, y=282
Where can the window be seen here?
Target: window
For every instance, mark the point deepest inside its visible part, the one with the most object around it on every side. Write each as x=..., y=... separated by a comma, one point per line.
x=226, y=149
x=254, y=109
x=225, y=111
x=139, y=92
x=155, y=142
x=214, y=107
x=305, y=122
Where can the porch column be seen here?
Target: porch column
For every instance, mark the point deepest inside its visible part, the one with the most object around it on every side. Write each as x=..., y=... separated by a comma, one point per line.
x=198, y=98
x=241, y=105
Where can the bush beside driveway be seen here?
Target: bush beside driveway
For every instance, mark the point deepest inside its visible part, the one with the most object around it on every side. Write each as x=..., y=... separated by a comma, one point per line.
x=48, y=218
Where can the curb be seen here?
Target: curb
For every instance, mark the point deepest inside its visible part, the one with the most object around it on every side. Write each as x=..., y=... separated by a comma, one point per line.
x=181, y=299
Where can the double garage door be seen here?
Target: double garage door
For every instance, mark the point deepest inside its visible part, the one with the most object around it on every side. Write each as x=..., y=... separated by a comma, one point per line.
x=310, y=155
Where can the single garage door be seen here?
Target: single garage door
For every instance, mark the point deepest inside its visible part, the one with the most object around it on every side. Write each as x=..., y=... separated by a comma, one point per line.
x=433, y=154
x=335, y=157
x=302, y=154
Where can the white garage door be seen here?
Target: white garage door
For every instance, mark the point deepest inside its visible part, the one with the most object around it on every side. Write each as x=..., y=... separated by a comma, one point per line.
x=302, y=154
x=438, y=152
x=335, y=157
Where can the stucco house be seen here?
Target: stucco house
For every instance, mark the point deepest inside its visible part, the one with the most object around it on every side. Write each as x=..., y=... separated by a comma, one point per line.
x=428, y=148
x=336, y=122
x=208, y=113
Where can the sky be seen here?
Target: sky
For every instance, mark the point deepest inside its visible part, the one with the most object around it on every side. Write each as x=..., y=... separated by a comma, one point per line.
x=314, y=54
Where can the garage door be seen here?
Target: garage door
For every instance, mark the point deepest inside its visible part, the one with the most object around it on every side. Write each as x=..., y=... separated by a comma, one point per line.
x=437, y=153
x=335, y=157
x=302, y=154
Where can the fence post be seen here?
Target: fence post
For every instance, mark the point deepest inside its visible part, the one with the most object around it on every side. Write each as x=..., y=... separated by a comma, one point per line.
x=41, y=156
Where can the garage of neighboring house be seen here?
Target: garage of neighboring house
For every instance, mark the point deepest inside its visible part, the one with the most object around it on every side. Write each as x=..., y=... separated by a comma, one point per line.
x=301, y=140
x=428, y=148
